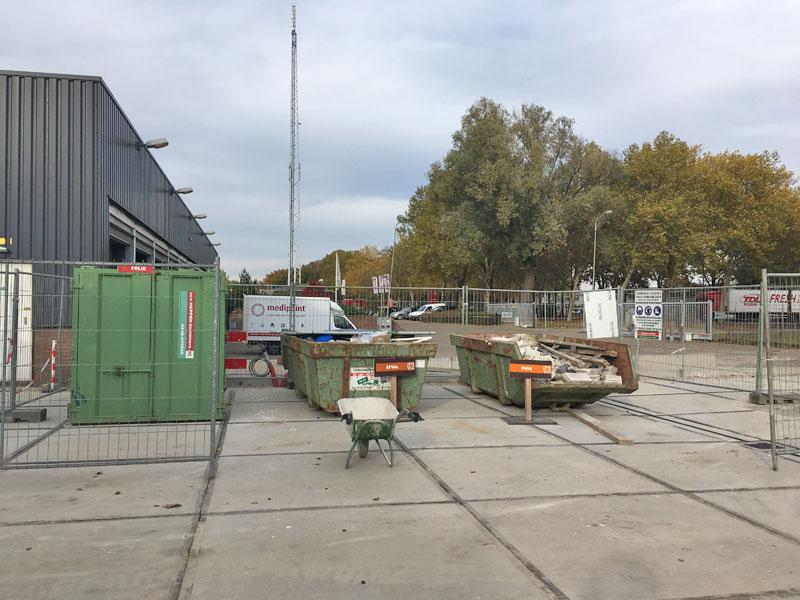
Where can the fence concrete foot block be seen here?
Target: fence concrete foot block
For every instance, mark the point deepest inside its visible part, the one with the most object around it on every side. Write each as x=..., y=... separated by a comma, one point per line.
x=28, y=415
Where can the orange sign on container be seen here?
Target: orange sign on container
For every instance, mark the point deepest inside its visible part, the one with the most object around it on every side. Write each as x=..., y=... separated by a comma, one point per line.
x=394, y=367
x=530, y=369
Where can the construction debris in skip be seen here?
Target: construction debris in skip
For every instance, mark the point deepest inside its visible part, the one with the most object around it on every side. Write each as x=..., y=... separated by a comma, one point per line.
x=572, y=362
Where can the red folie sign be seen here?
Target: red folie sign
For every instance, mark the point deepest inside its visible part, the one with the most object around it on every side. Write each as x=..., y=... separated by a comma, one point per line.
x=135, y=268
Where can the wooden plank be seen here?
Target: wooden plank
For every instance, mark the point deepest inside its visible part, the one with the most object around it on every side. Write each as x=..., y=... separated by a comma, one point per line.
x=601, y=428
x=573, y=360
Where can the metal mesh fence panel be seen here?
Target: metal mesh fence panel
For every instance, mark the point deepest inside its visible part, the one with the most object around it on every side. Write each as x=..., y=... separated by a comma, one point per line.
x=710, y=337
x=780, y=302
x=257, y=314
x=103, y=366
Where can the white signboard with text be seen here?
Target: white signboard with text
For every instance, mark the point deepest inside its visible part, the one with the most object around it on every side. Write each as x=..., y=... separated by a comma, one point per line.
x=600, y=314
x=648, y=314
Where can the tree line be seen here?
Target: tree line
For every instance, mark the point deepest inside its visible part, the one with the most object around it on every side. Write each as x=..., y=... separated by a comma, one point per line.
x=514, y=201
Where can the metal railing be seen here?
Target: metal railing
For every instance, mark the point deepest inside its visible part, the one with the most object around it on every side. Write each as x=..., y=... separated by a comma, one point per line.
x=710, y=334
x=780, y=351
x=44, y=420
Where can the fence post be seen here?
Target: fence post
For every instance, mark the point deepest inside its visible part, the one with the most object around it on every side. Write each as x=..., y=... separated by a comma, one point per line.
x=768, y=359
x=5, y=354
x=710, y=320
x=214, y=363
x=464, y=307
x=620, y=312
x=760, y=352
x=60, y=328
x=14, y=341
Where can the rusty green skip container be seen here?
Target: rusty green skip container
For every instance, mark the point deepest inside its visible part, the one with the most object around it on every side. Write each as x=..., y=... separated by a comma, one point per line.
x=142, y=346
x=484, y=361
x=325, y=372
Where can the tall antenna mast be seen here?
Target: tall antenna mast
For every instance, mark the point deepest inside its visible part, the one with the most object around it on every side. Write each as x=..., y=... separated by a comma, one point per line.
x=293, y=174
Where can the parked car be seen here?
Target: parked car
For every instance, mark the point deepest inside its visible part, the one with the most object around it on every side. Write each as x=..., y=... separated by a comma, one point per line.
x=402, y=313
x=426, y=308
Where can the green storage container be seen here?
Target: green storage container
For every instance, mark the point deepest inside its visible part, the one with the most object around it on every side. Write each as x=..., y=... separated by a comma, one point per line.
x=325, y=372
x=142, y=346
x=484, y=361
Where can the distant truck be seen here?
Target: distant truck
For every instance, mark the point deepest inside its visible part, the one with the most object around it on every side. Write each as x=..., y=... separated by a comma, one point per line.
x=265, y=317
x=745, y=304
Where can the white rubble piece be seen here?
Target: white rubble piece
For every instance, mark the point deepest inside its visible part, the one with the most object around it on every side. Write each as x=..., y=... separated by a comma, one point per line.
x=576, y=377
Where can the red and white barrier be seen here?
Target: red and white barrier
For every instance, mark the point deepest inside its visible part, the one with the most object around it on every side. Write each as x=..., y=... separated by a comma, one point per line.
x=53, y=366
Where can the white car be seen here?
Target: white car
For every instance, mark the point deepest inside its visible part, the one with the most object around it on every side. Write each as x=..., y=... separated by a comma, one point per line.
x=426, y=308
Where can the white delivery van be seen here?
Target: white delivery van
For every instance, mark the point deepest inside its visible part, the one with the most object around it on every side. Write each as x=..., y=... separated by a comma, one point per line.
x=265, y=317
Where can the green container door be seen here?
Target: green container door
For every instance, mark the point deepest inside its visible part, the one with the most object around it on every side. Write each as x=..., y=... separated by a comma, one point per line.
x=142, y=346
x=183, y=348
x=111, y=354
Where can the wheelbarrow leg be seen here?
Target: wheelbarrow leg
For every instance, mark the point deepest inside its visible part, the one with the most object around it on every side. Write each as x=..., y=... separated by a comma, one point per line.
x=350, y=454
x=388, y=458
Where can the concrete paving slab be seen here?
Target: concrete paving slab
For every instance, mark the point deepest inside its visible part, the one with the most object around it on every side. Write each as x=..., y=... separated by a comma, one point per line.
x=666, y=546
x=641, y=430
x=516, y=472
x=470, y=433
x=134, y=559
x=276, y=412
x=742, y=396
x=146, y=441
x=684, y=403
x=435, y=551
x=462, y=390
x=271, y=438
x=509, y=409
x=440, y=391
x=649, y=387
x=99, y=492
x=439, y=408
x=754, y=423
x=306, y=480
x=779, y=509
x=695, y=387
x=724, y=465
x=265, y=394
x=598, y=409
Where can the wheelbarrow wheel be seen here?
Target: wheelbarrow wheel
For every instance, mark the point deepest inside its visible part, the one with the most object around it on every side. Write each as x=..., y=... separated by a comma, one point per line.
x=363, y=448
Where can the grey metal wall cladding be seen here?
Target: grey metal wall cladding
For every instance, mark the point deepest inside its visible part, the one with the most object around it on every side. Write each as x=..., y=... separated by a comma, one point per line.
x=66, y=147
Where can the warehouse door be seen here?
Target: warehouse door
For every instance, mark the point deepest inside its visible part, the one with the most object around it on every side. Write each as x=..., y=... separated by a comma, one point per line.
x=113, y=363
x=25, y=297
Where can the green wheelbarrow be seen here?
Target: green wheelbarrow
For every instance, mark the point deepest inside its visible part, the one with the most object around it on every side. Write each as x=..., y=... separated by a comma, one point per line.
x=371, y=419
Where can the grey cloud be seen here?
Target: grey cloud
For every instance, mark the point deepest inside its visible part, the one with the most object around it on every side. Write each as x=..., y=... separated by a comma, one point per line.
x=383, y=86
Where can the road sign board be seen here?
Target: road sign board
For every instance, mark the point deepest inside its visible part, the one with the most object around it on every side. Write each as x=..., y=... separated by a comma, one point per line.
x=648, y=314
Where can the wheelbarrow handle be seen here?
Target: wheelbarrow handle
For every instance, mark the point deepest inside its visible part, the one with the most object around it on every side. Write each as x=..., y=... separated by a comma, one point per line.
x=347, y=418
x=413, y=415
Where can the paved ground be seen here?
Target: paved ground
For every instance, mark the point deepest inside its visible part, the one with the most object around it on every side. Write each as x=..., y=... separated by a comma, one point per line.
x=474, y=508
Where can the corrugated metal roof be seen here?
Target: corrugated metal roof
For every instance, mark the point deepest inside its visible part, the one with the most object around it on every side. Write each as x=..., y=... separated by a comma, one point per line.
x=67, y=148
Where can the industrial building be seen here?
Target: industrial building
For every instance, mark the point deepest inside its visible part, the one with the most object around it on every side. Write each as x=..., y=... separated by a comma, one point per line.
x=80, y=184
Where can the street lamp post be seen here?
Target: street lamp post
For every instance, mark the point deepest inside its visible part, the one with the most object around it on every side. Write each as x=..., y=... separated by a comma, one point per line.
x=391, y=269
x=594, y=247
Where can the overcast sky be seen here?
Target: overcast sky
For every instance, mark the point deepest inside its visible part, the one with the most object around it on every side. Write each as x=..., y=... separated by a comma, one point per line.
x=384, y=84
